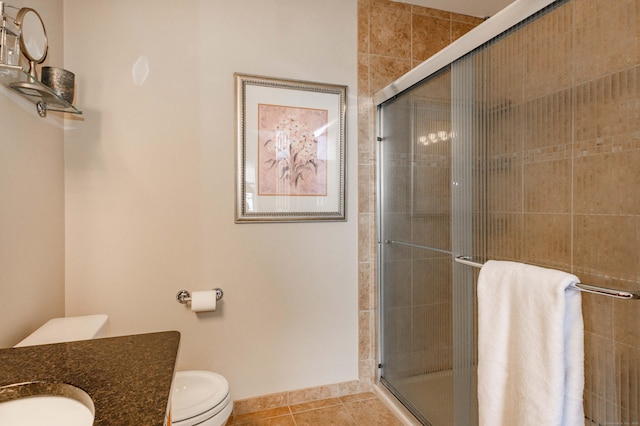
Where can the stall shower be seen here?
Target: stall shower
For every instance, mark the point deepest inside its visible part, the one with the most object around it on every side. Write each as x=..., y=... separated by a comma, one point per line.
x=525, y=147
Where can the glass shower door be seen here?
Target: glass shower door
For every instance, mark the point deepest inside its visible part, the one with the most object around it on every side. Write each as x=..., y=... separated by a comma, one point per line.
x=424, y=361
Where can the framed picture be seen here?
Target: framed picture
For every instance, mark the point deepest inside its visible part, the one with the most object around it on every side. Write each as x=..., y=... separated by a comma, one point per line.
x=291, y=150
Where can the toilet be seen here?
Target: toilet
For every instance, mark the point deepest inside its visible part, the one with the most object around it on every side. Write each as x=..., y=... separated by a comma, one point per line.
x=198, y=397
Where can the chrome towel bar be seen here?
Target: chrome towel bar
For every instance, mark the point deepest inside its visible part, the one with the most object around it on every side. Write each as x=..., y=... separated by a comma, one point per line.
x=617, y=294
x=466, y=260
x=403, y=243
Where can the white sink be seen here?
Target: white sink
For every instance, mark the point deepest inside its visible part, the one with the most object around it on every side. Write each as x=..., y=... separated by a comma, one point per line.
x=42, y=403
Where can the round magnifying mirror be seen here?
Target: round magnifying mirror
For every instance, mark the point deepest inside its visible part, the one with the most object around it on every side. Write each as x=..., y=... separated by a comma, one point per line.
x=33, y=39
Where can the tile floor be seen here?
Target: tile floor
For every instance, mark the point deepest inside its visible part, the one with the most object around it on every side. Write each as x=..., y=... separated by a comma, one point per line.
x=359, y=409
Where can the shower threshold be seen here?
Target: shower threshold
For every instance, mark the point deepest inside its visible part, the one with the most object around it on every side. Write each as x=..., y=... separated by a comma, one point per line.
x=435, y=405
x=429, y=397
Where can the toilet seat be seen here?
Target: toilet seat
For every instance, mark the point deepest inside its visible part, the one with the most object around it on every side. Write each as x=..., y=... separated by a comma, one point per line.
x=198, y=396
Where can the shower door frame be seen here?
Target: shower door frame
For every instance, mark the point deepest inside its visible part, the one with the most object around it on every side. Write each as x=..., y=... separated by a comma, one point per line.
x=507, y=18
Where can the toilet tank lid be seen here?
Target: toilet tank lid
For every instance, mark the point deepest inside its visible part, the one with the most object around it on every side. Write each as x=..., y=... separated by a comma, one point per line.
x=68, y=329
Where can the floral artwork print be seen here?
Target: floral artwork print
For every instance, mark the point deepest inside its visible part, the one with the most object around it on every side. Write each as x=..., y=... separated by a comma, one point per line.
x=292, y=146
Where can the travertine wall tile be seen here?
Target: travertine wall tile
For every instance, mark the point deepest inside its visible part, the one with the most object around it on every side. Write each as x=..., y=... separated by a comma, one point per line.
x=539, y=178
x=427, y=11
x=363, y=27
x=389, y=32
x=601, y=324
x=391, y=4
x=458, y=29
x=430, y=34
x=547, y=240
x=363, y=75
x=473, y=20
x=383, y=70
x=504, y=235
x=627, y=363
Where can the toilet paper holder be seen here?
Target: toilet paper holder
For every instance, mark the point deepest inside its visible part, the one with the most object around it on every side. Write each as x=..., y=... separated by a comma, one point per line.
x=184, y=296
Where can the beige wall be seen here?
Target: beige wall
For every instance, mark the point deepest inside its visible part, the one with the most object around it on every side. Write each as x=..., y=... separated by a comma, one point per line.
x=150, y=187
x=31, y=202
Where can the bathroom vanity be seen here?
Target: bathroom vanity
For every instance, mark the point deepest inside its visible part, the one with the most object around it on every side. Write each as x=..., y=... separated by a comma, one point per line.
x=128, y=378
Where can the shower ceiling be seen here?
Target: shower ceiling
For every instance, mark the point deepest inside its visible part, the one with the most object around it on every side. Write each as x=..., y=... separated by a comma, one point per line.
x=479, y=8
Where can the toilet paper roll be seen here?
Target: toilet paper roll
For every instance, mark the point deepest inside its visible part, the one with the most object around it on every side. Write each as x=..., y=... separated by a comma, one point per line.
x=203, y=301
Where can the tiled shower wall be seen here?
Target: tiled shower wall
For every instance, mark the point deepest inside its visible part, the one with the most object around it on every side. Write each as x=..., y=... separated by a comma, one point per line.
x=563, y=170
x=564, y=189
x=393, y=38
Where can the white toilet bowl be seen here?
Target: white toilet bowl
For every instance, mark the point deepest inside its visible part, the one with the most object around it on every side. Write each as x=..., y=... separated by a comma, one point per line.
x=68, y=329
x=200, y=398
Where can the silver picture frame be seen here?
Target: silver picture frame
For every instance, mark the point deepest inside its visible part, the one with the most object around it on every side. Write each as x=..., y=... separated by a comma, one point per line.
x=291, y=150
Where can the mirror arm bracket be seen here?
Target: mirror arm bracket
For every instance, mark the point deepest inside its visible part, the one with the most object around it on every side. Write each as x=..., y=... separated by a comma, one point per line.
x=42, y=109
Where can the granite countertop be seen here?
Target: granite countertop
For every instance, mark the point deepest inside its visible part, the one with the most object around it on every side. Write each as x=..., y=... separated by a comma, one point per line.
x=128, y=378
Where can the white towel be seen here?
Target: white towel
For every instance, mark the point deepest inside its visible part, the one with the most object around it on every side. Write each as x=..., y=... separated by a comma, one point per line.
x=530, y=346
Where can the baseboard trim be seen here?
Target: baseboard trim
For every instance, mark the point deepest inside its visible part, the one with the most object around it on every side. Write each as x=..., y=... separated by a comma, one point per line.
x=283, y=399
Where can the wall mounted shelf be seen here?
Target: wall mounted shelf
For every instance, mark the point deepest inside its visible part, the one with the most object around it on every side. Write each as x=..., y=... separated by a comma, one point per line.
x=45, y=99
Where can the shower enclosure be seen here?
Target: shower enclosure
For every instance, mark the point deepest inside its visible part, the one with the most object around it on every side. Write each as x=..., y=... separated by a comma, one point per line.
x=518, y=142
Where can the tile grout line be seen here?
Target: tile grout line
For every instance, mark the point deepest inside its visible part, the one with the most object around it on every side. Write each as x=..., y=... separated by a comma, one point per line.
x=293, y=418
x=337, y=402
x=348, y=412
